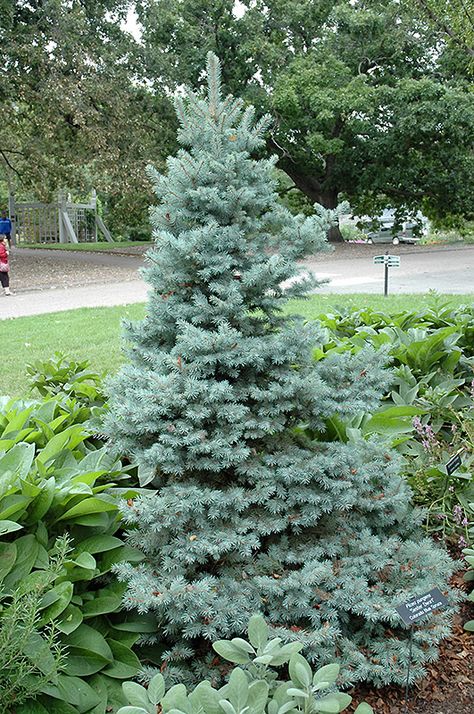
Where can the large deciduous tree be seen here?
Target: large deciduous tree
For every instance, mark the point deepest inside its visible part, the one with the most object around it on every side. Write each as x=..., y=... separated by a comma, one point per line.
x=364, y=101
x=75, y=112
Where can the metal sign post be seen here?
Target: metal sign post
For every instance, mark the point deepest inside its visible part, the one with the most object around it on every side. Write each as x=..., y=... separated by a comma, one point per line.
x=388, y=261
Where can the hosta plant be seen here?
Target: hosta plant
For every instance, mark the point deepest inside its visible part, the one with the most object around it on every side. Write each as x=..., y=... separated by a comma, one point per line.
x=55, y=480
x=64, y=376
x=252, y=688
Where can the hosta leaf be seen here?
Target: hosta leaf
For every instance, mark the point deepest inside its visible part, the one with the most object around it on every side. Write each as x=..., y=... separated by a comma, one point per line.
x=74, y=691
x=90, y=640
x=328, y=673
x=135, y=694
x=88, y=506
x=70, y=619
x=7, y=526
x=7, y=558
x=364, y=708
x=156, y=689
x=126, y=663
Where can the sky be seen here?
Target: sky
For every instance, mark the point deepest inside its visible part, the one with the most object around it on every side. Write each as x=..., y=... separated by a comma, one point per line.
x=131, y=24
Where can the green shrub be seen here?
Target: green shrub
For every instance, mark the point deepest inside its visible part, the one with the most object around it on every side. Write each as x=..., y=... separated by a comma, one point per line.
x=31, y=656
x=56, y=478
x=428, y=410
x=67, y=377
x=352, y=233
x=252, y=688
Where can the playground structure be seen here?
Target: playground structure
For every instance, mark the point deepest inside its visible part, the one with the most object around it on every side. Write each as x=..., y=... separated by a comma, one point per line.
x=64, y=221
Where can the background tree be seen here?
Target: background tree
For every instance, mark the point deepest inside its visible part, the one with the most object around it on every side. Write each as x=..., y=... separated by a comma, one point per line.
x=365, y=103
x=228, y=417
x=76, y=114
x=454, y=18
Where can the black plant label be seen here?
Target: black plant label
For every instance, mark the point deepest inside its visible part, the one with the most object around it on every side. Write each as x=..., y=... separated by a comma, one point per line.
x=453, y=464
x=421, y=605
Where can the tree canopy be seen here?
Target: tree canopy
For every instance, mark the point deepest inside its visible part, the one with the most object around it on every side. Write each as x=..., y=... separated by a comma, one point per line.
x=366, y=100
x=371, y=100
x=76, y=113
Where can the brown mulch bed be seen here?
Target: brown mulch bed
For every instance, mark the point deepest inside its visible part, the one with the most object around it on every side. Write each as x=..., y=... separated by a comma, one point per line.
x=57, y=269
x=449, y=686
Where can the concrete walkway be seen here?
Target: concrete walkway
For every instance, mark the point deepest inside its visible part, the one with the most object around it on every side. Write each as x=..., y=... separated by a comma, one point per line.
x=58, y=300
x=447, y=269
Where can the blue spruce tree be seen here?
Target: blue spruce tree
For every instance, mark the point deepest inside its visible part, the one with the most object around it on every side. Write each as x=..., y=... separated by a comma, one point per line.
x=254, y=508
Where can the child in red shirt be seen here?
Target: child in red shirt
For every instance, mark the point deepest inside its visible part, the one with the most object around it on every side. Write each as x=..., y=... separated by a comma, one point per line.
x=4, y=266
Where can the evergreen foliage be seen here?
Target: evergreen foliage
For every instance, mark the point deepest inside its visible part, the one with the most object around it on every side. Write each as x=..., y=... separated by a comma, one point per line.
x=222, y=406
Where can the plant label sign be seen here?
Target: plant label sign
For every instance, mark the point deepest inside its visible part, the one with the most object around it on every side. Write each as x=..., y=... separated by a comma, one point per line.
x=453, y=464
x=393, y=261
x=421, y=605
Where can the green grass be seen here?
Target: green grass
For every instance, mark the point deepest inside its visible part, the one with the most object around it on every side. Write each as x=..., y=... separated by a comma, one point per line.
x=100, y=247
x=94, y=333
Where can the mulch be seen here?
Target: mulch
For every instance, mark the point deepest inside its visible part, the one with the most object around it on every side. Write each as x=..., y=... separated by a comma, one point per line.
x=58, y=269
x=448, y=687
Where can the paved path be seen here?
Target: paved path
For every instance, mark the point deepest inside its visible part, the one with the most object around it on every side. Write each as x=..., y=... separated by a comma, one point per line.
x=57, y=300
x=446, y=270
x=351, y=269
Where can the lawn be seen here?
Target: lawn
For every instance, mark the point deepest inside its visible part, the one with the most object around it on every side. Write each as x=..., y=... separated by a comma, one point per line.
x=94, y=333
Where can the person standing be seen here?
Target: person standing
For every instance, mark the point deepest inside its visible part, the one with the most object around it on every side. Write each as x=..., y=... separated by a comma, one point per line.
x=4, y=265
x=6, y=227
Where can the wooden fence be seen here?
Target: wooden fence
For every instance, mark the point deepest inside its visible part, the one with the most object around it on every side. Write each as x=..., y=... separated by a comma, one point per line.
x=61, y=222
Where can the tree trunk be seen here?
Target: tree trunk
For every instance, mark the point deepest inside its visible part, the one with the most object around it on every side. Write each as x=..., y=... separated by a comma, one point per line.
x=335, y=235
x=328, y=199
x=313, y=190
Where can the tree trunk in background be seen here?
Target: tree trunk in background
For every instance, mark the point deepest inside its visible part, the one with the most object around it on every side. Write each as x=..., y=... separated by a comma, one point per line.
x=313, y=190
x=329, y=200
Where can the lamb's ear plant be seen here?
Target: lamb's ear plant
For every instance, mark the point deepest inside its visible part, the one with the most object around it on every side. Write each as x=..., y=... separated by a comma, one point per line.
x=253, y=689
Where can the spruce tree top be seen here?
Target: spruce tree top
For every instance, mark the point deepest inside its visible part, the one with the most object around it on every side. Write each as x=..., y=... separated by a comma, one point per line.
x=212, y=364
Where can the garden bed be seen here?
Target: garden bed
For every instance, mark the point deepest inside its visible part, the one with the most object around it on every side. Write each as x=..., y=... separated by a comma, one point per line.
x=449, y=685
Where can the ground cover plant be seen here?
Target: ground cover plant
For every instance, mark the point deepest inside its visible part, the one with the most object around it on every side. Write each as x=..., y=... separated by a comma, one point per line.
x=57, y=478
x=224, y=410
x=429, y=405
x=253, y=687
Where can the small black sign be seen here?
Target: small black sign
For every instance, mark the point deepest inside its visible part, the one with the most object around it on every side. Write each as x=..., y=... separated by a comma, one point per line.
x=453, y=464
x=421, y=605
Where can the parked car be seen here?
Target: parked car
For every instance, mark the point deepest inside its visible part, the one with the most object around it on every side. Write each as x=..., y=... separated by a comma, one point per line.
x=387, y=233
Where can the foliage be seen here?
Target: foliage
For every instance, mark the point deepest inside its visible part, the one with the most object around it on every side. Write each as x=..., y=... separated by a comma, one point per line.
x=57, y=478
x=60, y=375
x=429, y=407
x=352, y=233
x=75, y=116
x=367, y=99
x=469, y=576
x=451, y=232
x=252, y=688
x=31, y=657
x=221, y=405
x=454, y=19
